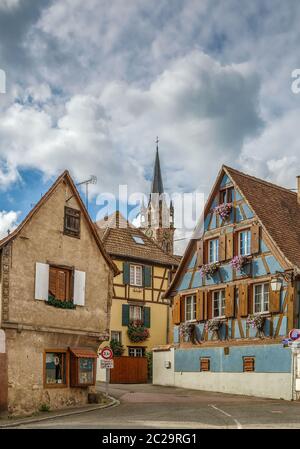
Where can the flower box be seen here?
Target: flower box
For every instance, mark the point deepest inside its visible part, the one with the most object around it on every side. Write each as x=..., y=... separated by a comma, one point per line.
x=209, y=269
x=137, y=332
x=223, y=210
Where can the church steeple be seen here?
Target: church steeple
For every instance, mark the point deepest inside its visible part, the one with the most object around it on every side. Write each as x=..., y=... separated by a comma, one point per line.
x=157, y=182
x=158, y=217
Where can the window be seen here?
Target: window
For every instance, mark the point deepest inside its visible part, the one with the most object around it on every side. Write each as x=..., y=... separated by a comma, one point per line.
x=136, y=275
x=261, y=298
x=135, y=313
x=116, y=336
x=138, y=240
x=72, y=222
x=245, y=243
x=248, y=364
x=204, y=364
x=60, y=283
x=226, y=195
x=213, y=251
x=190, y=308
x=136, y=352
x=83, y=367
x=55, y=367
x=218, y=303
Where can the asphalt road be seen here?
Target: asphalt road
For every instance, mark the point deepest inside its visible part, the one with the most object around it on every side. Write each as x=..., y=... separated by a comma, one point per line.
x=152, y=407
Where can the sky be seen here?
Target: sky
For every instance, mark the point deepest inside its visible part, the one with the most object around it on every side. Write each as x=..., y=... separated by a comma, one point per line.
x=89, y=86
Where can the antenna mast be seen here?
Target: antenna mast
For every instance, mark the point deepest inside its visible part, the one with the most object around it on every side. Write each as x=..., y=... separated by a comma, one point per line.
x=92, y=180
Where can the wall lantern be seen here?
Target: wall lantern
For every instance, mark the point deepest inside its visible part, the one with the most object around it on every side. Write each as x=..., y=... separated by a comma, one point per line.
x=276, y=284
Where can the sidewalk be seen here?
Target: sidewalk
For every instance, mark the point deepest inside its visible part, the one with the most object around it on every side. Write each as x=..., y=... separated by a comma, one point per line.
x=42, y=416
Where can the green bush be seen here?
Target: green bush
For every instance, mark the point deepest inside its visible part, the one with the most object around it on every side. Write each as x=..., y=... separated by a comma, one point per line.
x=117, y=348
x=60, y=304
x=44, y=408
x=149, y=356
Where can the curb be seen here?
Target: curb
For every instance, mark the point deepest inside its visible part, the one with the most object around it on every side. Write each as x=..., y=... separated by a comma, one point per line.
x=115, y=403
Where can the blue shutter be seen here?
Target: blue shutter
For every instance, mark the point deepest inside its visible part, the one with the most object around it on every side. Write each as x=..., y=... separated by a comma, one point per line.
x=147, y=272
x=126, y=273
x=147, y=313
x=125, y=315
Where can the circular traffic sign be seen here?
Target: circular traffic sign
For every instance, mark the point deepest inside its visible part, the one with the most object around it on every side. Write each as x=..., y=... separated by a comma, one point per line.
x=107, y=353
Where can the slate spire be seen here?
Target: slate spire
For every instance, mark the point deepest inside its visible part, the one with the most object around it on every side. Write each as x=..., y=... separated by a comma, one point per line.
x=157, y=183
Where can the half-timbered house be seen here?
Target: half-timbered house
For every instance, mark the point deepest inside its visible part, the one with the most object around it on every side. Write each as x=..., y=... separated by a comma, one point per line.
x=236, y=292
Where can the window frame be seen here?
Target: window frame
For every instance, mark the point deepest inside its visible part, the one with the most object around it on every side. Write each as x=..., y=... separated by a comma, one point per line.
x=262, y=298
x=76, y=214
x=131, y=307
x=215, y=250
x=226, y=195
x=119, y=339
x=69, y=293
x=193, y=310
x=134, y=283
x=135, y=349
x=248, y=243
x=66, y=368
x=221, y=303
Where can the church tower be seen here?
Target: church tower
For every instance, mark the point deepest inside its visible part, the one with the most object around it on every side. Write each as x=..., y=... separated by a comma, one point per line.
x=157, y=218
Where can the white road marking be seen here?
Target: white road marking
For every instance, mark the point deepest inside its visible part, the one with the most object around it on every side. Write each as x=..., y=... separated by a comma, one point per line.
x=238, y=424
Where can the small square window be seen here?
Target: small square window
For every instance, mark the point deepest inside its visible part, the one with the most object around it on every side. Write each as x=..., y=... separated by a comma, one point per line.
x=204, y=364
x=72, y=222
x=136, y=352
x=55, y=369
x=116, y=336
x=248, y=364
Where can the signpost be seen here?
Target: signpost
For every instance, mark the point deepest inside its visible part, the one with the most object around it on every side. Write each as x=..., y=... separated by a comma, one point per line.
x=107, y=363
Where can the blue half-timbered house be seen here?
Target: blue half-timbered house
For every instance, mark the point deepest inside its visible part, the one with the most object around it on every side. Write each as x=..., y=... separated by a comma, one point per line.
x=235, y=294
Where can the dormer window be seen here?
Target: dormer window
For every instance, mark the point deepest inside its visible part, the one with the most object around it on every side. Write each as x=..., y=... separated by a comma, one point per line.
x=72, y=222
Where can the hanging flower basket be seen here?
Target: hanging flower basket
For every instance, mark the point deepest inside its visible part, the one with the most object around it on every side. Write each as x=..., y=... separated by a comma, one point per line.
x=258, y=322
x=188, y=332
x=239, y=262
x=223, y=210
x=214, y=326
x=137, y=332
x=209, y=269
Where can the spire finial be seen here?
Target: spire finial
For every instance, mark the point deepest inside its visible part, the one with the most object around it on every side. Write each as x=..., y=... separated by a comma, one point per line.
x=157, y=142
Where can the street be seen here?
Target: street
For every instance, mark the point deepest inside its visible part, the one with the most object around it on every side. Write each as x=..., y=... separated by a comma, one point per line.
x=154, y=407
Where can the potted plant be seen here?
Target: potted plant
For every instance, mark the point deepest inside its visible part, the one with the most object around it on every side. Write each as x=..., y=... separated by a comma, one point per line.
x=117, y=348
x=208, y=269
x=188, y=331
x=137, y=332
x=258, y=322
x=239, y=262
x=214, y=326
x=223, y=210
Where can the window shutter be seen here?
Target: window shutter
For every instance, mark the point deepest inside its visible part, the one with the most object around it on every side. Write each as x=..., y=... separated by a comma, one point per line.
x=125, y=315
x=274, y=301
x=147, y=273
x=147, y=313
x=229, y=301
x=52, y=281
x=255, y=239
x=61, y=290
x=182, y=309
x=209, y=305
x=200, y=253
x=243, y=300
x=41, y=281
x=222, y=247
x=79, y=288
x=126, y=273
x=176, y=310
x=229, y=246
x=200, y=306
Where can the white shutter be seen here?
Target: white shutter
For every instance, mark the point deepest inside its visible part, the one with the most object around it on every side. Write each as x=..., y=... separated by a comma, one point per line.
x=41, y=281
x=79, y=288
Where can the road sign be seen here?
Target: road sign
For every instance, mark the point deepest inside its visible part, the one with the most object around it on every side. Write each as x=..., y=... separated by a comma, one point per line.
x=107, y=353
x=106, y=364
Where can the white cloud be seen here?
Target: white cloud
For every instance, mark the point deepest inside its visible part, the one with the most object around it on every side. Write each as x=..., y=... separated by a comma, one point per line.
x=9, y=4
x=8, y=221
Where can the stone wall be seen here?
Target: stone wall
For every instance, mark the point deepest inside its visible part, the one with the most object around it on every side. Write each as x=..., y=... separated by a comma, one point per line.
x=26, y=392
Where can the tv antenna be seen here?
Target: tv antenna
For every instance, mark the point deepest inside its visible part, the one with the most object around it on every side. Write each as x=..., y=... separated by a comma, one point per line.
x=92, y=180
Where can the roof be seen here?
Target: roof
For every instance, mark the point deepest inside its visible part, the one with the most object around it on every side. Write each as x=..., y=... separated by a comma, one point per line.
x=118, y=241
x=276, y=208
x=157, y=183
x=64, y=177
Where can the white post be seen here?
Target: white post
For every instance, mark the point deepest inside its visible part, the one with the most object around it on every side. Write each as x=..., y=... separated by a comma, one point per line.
x=106, y=381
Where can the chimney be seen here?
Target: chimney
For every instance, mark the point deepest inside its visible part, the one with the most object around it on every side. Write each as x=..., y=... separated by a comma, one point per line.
x=298, y=189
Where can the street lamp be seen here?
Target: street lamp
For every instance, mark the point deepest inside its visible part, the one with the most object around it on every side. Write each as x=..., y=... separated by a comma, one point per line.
x=276, y=284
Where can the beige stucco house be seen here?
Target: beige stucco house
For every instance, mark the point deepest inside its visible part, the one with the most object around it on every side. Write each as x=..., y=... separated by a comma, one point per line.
x=55, y=298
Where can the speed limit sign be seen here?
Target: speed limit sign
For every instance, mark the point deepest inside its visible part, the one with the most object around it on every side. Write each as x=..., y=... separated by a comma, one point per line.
x=107, y=353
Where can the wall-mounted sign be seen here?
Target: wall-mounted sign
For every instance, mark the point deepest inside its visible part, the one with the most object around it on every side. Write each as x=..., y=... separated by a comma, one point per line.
x=106, y=364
